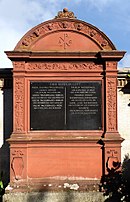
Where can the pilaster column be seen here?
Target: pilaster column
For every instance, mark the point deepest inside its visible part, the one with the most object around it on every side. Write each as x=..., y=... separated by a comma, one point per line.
x=111, y=97
x=18, y=98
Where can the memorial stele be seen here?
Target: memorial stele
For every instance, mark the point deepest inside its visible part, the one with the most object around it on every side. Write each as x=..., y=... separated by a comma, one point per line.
x=64, y=105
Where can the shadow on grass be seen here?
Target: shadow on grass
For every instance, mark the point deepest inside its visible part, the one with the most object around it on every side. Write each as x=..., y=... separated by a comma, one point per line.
x=116, y=184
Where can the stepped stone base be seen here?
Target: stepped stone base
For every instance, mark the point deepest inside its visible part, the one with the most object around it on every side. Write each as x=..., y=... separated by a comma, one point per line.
x=62, y=196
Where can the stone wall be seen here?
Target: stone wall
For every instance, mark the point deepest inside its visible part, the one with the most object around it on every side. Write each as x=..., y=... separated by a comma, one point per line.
x=124, y=120
x=6, y=121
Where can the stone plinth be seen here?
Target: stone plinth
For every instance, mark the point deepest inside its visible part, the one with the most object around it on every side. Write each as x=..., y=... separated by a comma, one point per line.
x=55, y=197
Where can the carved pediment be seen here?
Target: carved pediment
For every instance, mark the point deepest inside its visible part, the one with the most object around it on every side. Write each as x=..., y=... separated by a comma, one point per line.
x=65, y=33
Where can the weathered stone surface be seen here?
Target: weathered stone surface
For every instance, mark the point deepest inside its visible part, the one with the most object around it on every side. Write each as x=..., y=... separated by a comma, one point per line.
x=68, y=196
x=63, y=50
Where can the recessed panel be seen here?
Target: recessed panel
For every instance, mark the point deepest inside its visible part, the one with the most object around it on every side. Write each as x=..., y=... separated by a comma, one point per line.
x=65, y=105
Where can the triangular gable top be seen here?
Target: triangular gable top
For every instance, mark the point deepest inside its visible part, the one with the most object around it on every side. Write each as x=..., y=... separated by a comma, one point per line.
x=64, y=34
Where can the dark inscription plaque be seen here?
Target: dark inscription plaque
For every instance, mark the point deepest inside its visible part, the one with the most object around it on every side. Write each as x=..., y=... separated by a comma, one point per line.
x=65, y=105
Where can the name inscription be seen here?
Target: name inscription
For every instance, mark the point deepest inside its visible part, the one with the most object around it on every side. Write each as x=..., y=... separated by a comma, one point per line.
x=65, y=105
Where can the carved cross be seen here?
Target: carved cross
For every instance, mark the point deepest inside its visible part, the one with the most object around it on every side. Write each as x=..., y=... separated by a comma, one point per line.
x=65, y=41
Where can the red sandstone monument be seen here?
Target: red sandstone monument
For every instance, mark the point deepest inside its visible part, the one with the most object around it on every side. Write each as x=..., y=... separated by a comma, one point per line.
x=65, y=105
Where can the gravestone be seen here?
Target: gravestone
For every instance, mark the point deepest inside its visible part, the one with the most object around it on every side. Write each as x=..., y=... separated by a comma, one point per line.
x=65, y=104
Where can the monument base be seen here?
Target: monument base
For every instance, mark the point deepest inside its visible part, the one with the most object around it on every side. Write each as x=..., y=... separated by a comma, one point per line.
x=62, y=196
x=55, y=191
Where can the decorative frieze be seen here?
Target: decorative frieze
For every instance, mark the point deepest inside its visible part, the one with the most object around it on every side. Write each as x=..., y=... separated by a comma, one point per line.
x=50, y=66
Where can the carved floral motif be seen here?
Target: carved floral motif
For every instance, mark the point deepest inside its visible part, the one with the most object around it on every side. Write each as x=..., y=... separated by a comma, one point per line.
x=63, y=66
x=19, y=102
x=20, y=65
x=111, y=65
x=111, y=104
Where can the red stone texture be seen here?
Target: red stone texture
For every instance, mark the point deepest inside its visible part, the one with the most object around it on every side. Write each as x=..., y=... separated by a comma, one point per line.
x=63, y=49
